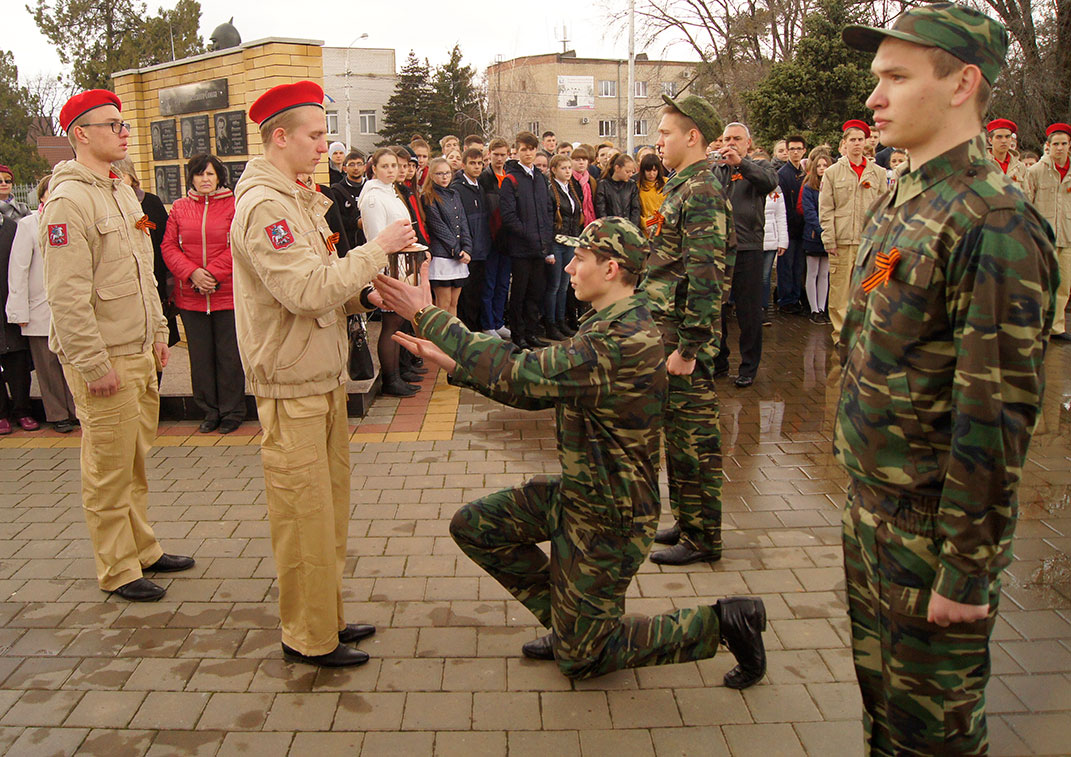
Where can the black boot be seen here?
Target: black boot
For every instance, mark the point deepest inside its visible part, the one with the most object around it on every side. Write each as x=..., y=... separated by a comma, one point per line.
x=742, y=620
x=393, y=386
x=670, y=535
x=554, y=333
x=565, y=328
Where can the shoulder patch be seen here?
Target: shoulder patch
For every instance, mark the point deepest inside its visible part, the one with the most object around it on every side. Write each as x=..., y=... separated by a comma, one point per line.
x=57, y=235
x=279, y=235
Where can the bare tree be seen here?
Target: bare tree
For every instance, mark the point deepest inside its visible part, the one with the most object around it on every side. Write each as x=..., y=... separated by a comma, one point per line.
x=48, y=93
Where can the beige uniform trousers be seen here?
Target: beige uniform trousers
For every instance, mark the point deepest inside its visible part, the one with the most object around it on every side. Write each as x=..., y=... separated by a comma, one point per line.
x=1059, y=323
x=306, y=456
x=117, y=433
x=841, y=266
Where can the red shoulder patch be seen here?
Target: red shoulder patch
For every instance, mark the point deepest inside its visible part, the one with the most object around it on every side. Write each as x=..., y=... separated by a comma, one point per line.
x=279, y=235
x=57, y=235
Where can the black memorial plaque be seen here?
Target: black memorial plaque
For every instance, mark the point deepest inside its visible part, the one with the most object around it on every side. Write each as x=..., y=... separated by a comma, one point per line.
x=190, y=98
x=230, y=133
x=168, y=183
x=164, y=140
x=195, y=138
x=234, y=171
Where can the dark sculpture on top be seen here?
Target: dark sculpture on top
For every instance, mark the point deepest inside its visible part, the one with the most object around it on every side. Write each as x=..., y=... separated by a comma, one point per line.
x=224, y=36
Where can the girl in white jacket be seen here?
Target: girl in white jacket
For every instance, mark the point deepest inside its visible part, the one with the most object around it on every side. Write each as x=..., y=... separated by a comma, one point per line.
x=774, y=244
x=380, y=206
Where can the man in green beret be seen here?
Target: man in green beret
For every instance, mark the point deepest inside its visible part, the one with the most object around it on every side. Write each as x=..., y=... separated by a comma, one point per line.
x=950, y=309
x=607, y=385
x=687, y=274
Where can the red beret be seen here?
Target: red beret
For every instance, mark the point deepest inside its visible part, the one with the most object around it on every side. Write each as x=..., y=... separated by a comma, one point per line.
x=855, y=123
x=84, y=102
x=284, y=97
x=7, y=170
x=1002, y=123
x=1058, y=127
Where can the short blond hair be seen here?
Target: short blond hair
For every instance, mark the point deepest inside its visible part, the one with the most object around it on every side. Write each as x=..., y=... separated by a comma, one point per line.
x=288, y=120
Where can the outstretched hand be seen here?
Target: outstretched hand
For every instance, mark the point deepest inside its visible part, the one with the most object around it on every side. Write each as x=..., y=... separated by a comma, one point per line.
x=402, y=298
x=427, y=350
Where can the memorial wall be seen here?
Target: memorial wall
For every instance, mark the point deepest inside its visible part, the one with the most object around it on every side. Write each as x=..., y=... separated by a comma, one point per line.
x=200, y=104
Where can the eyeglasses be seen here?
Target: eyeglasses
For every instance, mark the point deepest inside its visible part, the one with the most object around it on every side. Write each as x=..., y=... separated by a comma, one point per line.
x=6, y=181
x=116, y=126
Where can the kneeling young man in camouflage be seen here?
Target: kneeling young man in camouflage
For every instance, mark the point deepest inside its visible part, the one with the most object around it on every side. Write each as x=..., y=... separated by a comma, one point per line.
x=608, y=385
x=950, y=310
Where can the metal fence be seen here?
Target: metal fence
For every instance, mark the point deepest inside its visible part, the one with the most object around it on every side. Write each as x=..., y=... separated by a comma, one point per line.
x=26, y=193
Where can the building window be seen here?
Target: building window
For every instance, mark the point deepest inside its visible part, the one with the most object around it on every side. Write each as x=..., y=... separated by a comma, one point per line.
x=669, y=88
x=332, y=122
x=607, y=128
x=607, y=88
x=533, y=126
x=641, y=128
x=641, y=89
x=368, y=122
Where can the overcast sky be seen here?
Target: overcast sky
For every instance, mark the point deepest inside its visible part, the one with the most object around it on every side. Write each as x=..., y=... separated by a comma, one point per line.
x=483, y=28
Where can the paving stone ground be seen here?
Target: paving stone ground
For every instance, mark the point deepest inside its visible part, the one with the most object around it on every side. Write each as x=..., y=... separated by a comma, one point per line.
x=200, y=672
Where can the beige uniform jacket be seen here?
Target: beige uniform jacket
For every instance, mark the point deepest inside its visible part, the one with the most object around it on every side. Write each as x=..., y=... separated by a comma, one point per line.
x=291, y=291
x=98, y=271
x=843, y=199
x=1016, y=172
x=1052, y=197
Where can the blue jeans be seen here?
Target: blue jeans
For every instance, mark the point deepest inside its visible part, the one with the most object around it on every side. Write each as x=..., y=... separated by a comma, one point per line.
x=495, y=289
x=557, y=284
x=790, y=268
x=768, y=257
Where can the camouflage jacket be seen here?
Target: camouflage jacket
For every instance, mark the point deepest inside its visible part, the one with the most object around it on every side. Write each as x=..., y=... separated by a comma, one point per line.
x=607, y=385
x=688, y=270
x=942, y=362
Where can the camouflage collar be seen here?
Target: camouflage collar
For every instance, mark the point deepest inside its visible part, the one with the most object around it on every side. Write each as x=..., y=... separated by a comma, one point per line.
x=683, y=175
x=959, y=158
x=614, y=311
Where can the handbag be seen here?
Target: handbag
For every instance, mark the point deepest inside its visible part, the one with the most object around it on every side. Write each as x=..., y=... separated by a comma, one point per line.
x=360, y=363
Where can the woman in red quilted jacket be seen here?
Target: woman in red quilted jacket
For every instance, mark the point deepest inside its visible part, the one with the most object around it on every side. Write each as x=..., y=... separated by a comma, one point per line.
x=197, y=251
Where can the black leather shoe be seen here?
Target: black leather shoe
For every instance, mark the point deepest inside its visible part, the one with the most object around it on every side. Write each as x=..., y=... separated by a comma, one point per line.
x=536, y=343
x=554, y=333
x=341, y=657
x=743, y=619
x=744, y=381
x=411, y=378
x=354, y=632
x=683, y=554
x=208, y=426
x=670, y=535
x=541, y=648
x=140, y=590
x=565, y=328
x=170, y=564
x=719, y=372
x=520, y=342
x=226, y=427
x=395, y=387
x=65, y=426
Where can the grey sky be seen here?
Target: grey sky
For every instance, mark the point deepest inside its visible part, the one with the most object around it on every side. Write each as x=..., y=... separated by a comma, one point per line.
x=483, y=28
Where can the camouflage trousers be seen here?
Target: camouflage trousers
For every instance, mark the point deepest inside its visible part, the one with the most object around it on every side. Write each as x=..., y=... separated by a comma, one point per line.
x=923, y=686
x=579, y=590
x=693, y=456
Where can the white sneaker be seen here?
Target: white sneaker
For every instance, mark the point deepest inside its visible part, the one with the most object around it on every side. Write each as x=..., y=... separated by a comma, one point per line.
x=503, y=332
x=491, y=332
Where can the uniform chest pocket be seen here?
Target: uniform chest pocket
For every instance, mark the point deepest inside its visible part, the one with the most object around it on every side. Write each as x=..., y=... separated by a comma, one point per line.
x=903, y=301
x=914, y=269
x=109, y=230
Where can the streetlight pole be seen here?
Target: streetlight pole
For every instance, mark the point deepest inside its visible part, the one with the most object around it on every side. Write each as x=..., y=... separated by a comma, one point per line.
x=631, y=125
x=349, y=142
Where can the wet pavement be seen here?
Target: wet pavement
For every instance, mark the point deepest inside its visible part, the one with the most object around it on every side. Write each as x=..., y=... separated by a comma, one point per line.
x=200, y=672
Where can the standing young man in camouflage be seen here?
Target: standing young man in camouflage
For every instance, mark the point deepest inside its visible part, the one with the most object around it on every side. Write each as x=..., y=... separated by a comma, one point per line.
x=950, y=311
x=607, y=385
x=687, y=274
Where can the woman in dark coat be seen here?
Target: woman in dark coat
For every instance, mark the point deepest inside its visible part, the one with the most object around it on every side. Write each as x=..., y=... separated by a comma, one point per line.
x=15, y=363
x=617, y=194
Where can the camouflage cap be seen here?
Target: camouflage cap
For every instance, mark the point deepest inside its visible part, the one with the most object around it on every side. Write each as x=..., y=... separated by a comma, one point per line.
x=615, y=237
x=970, y=35
x=700, y=111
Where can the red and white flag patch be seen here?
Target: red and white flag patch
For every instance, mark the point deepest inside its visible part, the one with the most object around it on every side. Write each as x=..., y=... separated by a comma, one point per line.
x=279, y=234
x=57, y=235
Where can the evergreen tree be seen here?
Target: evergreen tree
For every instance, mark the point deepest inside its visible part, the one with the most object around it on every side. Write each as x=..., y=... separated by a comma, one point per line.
x=409, y=108
x=16, y=114
x=100, y=37
x=459, y=107
x=823, y=85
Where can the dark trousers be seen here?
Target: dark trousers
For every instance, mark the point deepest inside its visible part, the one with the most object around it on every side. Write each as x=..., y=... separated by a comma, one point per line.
x=790, y=269
x=496, y=289
x=15, y=387
x=526, y=295
x=470, y=301
x=215, y=365
x=747, y=299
